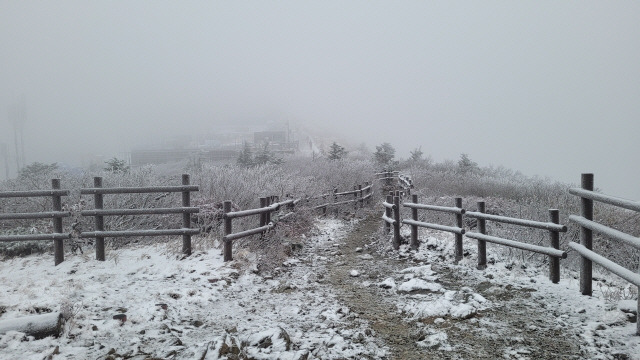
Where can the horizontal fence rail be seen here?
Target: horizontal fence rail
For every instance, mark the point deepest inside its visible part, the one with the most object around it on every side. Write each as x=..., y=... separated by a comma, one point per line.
x=518, y=245
x=553, y=227
x=515, y=221
x=138, y=190
x=588, y=227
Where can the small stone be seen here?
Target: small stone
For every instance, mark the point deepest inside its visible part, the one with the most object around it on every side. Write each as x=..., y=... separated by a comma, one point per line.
x=121, y=317
x=354, y=273
x=358, y=249
x=581, y=310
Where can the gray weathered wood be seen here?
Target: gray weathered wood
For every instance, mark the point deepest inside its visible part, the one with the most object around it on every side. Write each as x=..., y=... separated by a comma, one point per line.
x=414, y=228
x=482, y=245
x=98, y=219
x=554, y=237
x=459, y=248
x=186, y=217
x=58, y=244
x=227, y=244
x=396, y=225
x=586, y=238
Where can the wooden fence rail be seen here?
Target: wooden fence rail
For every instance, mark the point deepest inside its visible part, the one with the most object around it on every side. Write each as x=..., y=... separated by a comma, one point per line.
x=57, y=214
x=99, y=213
x=588, y=226
x=358, y=193
x=584, y=220
x=267, y=206
x=553, y=227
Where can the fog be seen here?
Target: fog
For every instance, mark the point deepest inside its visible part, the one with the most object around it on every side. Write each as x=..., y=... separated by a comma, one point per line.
x=549, y=88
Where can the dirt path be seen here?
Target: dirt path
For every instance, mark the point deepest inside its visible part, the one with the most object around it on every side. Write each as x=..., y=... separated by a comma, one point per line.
x=515, y=326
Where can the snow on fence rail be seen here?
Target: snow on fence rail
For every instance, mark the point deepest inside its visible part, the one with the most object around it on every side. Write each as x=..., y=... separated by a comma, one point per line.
x=588, y=226
x=391, y=217
x=267, y=206
x=554, y=228
x=98, y=213
x=414, y=223
x=57, y=214
x=358, y=193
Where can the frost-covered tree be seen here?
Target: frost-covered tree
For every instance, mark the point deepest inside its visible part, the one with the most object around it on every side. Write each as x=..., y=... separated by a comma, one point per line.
x=384, y=154
x=465, y=164
x=416, y=154
x=37, y=170
x=266, y=156
x=245, y=159
x=116, y=165
x=336, y=152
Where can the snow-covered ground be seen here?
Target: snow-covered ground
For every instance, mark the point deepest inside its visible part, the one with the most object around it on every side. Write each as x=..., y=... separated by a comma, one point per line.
x=194, y=308
x=202, y=308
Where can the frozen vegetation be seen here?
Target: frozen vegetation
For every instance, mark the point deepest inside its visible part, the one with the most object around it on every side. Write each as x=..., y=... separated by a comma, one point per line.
x=317, y=288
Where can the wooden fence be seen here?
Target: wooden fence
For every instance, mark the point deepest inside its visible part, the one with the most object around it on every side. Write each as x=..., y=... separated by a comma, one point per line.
x=392, y=210
x=56, y=214
x=270, y=205
x=99, y=233
x=99, y=213
x=359, y=195
x=588, y=226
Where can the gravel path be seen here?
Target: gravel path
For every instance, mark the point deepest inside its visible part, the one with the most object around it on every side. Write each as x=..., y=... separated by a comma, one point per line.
x=515, y=326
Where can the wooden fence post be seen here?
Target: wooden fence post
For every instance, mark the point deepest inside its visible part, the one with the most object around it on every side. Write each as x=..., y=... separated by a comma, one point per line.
x=366, y=184
x=387, y=212
x=335, y=200
x=554, y=236
x=263, y=204
x=58, y=244
x=459, y=250
x=361, y=199
x=227, y=252
x=355, y=197
x=267, y=215
x=586, y=238
x=414, y=228
x=186, y=217
x=98, y=219
x=396, y=225
x=482, y=245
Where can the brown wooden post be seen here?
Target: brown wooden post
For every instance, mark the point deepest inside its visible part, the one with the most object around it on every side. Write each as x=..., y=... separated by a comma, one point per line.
x=414, y=228
x=355, y=197
x=482, y=245
x=263, y=204
x=387, y=212
x=586, y=238
x=227, y=251
x=554, y=236
x=366, y=184
x=58, y=244
x=459, y=250
x=335, y=200
x=361, y=199
x=267, y=215
x=186, y=217
x=98, y=219
x=396, y=225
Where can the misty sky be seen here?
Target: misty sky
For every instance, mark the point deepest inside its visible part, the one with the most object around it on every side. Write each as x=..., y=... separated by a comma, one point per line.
x=550, y=88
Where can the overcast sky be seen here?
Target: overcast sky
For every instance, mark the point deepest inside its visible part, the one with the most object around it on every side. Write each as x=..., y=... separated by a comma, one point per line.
x=550, y=88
